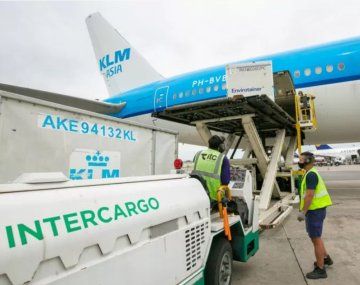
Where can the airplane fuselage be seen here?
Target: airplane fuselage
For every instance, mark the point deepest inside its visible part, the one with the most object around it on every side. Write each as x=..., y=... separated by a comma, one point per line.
x=344, y=153
x=331, y=72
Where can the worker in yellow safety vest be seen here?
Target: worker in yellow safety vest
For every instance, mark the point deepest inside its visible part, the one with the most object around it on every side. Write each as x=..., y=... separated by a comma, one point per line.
x=314, y=199
x=213, y=166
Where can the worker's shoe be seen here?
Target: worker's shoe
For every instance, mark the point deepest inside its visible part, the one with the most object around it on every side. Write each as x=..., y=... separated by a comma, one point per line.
x=327, y=261
x=317, y=273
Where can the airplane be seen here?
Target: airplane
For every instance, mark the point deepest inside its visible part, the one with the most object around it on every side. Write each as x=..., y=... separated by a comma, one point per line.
x=331, y=72
x=341, y=154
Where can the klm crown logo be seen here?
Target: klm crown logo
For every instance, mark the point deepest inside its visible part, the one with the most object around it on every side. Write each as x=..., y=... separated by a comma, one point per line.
x=97, y=160
x=94, y=166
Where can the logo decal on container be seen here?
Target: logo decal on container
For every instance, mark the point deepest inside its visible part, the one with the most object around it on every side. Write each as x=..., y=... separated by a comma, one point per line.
x=93, y=164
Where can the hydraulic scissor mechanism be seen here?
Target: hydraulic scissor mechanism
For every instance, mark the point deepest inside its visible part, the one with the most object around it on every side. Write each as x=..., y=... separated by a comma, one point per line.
x=268, y=135
x=268, y=131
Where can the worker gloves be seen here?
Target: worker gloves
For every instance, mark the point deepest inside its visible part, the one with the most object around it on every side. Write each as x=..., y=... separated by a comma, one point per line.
x=301, y=216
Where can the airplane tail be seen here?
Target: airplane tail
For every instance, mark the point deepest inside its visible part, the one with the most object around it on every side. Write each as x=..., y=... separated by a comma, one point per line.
x=122, y=67
x=323, y=147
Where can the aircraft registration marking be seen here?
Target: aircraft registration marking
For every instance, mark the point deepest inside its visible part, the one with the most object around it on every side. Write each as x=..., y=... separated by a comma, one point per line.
x=209, y=80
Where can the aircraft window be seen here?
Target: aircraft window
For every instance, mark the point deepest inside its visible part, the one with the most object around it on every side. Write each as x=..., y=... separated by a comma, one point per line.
x=329, y=68
x=174, y=96
x=216, y=87
x=201, y=90
x=297, y=73
x=208, y=89
x=318, y=70
x=341, y=66
x=187, y=93
x=181, y=94
x=223, y=86
x=307, y=72
x=193, y=92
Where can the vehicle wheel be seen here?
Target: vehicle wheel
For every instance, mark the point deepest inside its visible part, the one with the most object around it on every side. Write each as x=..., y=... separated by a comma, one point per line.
x=218, y=269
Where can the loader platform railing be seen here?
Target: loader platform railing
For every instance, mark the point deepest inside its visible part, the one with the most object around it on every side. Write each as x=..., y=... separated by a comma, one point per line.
x=222, y=115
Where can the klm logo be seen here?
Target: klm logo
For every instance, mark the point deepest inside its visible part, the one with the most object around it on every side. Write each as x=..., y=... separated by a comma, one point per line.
x=96, y=167
x=117, y=57
x=112, y=63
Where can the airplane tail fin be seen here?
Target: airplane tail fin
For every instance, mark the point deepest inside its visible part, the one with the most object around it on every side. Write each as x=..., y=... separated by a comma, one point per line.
x=122, y=67
x=323, y=147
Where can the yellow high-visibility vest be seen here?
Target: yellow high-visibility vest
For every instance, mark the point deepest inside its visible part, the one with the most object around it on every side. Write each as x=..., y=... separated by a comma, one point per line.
x=321, y=197
x=207, y=164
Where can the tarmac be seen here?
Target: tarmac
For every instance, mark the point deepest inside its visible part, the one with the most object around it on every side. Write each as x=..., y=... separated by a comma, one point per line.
x=286, y=252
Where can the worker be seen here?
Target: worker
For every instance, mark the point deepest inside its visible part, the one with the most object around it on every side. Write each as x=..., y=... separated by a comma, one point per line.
x=303, y=100
x=314, y=199
x=304, y=105
x=213, y=166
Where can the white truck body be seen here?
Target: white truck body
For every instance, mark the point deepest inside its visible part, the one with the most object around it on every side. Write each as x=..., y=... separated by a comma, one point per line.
x=40, y=136
x=136, y=230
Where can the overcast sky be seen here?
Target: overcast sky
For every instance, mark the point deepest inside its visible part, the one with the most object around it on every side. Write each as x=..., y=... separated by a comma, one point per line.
x=45, y=45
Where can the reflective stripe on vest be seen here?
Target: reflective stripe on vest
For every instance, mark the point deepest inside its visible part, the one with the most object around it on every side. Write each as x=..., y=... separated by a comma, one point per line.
x=317, y=195
x=207, y=164
x=321, y=197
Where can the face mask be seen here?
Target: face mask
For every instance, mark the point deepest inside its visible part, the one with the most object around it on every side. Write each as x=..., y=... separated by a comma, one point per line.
x=221, y=148
x=301, y=165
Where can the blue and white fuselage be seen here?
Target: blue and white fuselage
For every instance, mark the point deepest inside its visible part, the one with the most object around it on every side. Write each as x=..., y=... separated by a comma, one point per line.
x=331, y=72
x=321, y=65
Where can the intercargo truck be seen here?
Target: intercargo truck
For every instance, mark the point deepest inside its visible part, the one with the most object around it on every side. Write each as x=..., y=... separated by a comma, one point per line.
x=70, y=213
x=138, y=230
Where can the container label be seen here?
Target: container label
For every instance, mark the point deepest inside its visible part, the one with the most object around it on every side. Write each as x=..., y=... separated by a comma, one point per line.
x=60, y=123
x=93, y=164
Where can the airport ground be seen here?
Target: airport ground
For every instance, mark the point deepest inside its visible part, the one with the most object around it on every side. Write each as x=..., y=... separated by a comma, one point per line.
x=286, y=253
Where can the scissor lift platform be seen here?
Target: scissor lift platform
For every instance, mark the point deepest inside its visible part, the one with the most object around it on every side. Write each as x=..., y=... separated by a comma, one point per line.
x=223, y=115
x=259, y=118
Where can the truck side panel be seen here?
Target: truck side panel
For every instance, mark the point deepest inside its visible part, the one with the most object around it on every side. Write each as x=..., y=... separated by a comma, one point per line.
x=144, y=232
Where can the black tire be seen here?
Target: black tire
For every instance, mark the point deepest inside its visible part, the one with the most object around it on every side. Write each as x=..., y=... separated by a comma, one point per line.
x=218, y=270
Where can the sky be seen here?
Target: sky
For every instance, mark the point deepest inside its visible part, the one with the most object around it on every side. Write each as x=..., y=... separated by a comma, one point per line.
x=45, y=45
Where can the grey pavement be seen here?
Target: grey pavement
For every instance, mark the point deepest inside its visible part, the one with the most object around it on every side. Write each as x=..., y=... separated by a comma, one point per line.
x=286, y=253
